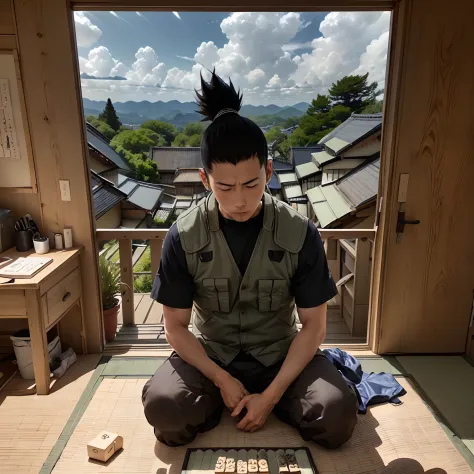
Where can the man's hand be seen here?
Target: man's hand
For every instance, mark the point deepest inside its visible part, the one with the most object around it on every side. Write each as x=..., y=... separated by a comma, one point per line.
x=258, y=406
x=232, y=390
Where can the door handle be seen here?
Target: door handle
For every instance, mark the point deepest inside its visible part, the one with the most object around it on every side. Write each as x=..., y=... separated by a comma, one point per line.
x=401, y=222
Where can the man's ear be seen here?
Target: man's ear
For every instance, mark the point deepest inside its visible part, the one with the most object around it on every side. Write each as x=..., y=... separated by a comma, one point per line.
x=269, y=170
x=204, y=179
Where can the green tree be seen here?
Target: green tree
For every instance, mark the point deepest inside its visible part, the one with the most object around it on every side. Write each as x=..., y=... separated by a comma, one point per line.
x=166, y=130
x=102, y=127
x=374, y=108
x=275, y=134
x=180, y=140
x=109, y=116
x=137, y=141
x=195, y=128
x=291, y=122
x=194, y=140
x=353, y=92
x=144, y=283
x=321, y=104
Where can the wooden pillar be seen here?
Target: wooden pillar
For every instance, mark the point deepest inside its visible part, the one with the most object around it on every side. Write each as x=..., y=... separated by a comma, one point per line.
x=126, y=275
x=53, y=106
x=156, y=246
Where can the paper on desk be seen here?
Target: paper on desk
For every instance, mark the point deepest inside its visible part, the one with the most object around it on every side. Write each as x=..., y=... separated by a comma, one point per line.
x=6, y=280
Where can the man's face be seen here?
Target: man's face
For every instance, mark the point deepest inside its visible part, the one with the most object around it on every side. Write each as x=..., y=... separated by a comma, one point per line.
x=238, y=188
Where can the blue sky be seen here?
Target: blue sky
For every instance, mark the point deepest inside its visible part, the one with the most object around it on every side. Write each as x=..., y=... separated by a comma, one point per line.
x=280, y=58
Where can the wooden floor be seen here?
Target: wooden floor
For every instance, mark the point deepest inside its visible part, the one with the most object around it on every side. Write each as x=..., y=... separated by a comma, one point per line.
x=30, y=425
x=148, y=330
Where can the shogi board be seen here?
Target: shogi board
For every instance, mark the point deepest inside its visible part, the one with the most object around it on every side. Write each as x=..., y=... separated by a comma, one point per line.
x=203, y=461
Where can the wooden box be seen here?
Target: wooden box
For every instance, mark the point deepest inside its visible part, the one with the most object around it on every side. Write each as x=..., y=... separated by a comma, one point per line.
x=104, y=446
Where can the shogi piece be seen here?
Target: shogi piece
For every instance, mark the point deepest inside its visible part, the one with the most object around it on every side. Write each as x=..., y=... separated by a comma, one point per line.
x=241, y=466
x=281, y=460
x=230, y=464
x=104, y=446
x=252, y=464
x=292, y=462
x=262, y=461
x=220, y=465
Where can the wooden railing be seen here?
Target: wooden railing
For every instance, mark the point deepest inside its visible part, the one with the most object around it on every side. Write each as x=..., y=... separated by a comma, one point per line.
x=353, y=243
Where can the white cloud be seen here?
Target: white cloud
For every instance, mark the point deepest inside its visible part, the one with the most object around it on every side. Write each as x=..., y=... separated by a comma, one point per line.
x=291, y=47
x=146, y=70
x=100, y=63
x=338, y=51
x=259, y=57
x=86, y=32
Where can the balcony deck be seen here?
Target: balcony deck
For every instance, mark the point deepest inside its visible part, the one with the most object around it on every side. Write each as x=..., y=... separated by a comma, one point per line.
x=148, y=329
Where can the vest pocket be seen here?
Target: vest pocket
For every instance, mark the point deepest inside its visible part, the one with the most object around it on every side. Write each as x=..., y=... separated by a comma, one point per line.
x=270, y=294
x=216, y=294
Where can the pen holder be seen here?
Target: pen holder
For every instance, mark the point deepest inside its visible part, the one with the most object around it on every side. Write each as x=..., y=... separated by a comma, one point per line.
x=41, y=245
x=23, y=240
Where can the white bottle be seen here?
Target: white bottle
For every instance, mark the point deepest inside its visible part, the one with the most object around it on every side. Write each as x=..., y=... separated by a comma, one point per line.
x=68, y=238
x=58, y=241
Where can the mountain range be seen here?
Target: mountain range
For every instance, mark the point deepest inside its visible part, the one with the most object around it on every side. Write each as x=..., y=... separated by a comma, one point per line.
x=181, y=113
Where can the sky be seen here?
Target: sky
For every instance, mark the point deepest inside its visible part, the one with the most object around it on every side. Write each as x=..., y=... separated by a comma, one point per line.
x=274, y=58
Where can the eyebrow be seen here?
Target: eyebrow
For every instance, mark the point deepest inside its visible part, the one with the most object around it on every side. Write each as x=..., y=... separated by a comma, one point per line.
x=232, y=185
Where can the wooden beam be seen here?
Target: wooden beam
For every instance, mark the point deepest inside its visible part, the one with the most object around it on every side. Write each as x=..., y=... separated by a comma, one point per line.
x=7, y=21
x=361, y=288
x=348, y=234
x=126, y=274
x=131, y=234
x=241, y=5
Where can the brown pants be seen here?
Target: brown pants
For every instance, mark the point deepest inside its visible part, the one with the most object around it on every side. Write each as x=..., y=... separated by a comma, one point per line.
x=180, y=402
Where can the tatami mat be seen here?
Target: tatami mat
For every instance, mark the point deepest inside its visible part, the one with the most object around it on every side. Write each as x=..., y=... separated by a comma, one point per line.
x=448, y=382
x=404, y=439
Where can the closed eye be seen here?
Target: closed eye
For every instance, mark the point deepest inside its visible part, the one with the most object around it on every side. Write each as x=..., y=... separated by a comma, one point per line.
x=253, y=186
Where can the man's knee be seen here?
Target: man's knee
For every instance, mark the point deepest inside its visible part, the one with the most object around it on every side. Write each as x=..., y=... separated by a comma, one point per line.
x=162, y=409
x=335, y=418
x=340, y=415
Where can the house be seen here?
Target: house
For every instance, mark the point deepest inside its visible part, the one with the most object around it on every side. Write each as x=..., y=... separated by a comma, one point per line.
x=169, y=159
x=187, y=182
x=349, y=201
x=107, y=201
x=348, y=146
x=102, y=157
x=141, y=202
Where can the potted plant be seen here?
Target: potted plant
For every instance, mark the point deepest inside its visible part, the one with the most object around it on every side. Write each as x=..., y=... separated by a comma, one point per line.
x=110, y=285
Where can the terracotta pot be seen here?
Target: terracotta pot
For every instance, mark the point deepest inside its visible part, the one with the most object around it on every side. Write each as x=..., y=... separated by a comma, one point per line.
x=110, y=322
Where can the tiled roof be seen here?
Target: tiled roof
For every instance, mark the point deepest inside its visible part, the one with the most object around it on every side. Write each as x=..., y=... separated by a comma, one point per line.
x=302, y=155
x=286, y=178
x=146, y=196
x=334, y=201
x=187, y=176
x=322, y=157
x=355, y=128
x=307, y=169
x=292, y=191
x=105, y=195
x=274, y=183
x=279, y=166
x=362, y=184
x=173, y=158
x=100, y=144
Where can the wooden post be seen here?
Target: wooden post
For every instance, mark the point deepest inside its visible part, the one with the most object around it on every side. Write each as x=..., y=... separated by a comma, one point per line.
x=156, y=246
x=126, y=274
x=361, y=287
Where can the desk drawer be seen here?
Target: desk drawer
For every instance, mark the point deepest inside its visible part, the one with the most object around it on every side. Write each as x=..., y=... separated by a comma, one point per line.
x=12, y=303
x=62, y=296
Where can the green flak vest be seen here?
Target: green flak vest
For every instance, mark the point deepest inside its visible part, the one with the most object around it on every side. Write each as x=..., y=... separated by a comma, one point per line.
x=254, y=312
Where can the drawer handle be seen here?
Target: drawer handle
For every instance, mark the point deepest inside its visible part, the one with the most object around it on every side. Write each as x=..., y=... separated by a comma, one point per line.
x=66, y=296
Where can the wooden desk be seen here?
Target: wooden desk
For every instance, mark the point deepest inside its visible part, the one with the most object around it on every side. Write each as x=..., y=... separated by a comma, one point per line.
x=44, y=300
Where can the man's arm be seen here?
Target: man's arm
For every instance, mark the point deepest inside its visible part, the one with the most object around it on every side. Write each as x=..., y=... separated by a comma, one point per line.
x=302, y=350
x=185, y=343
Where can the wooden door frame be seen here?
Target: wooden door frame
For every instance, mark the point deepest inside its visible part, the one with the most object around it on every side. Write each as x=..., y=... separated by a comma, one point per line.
x=394, y=71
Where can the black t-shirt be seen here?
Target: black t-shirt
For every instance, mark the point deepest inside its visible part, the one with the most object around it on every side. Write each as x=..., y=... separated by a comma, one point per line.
x=311, y=285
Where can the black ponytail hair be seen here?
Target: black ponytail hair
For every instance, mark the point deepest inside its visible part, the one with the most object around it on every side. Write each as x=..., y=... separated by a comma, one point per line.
x=230, y=138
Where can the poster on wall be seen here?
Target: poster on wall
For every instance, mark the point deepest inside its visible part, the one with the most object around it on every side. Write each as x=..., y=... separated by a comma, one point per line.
x=8, y=140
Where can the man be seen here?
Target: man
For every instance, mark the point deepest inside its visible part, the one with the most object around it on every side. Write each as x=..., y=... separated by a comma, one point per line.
x=240, y=263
